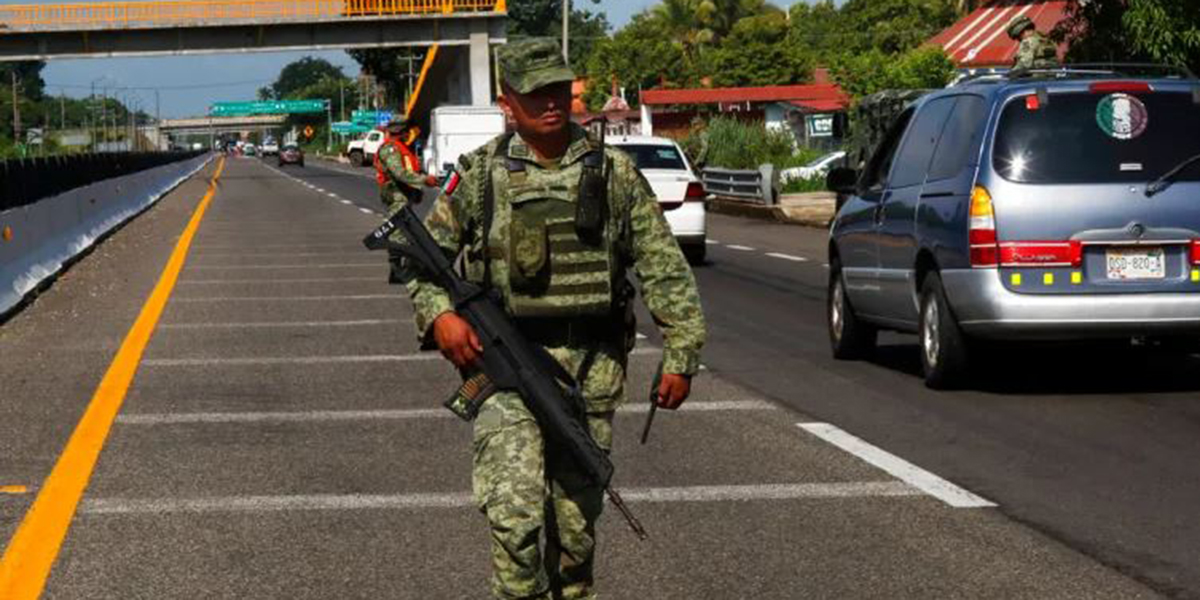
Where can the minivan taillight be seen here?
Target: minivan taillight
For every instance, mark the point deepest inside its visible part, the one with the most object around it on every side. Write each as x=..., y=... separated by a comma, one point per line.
x=981, y=232
x=695, y=192
x=1195, y=252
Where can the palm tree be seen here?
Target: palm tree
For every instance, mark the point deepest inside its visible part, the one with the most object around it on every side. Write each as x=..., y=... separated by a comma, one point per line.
x=682, y=21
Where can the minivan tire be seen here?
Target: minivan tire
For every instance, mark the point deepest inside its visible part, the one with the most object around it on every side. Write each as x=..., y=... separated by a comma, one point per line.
x=695, y=253
x=942, y=343
x=849, y=338
x=356, y=158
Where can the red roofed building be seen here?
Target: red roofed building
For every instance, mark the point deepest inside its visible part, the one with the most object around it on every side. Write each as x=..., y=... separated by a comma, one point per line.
x=797, y=107
x=980, y=39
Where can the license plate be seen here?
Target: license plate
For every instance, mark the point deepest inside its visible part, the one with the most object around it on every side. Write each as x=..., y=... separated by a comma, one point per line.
x=1136, y=263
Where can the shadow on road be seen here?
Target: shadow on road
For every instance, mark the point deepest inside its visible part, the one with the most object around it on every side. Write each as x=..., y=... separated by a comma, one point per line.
x=1064, y=369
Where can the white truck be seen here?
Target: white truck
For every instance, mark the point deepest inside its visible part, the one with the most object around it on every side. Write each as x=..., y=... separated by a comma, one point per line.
x=454, y=130
x=362, y=151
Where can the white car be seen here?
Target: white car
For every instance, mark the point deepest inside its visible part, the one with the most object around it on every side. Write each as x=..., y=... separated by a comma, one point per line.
x=816, y=168
x=676, y=186
x=270, y=148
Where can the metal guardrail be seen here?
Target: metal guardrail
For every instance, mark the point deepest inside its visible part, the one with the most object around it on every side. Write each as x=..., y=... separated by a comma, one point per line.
x=176, y=13
x=761, y=186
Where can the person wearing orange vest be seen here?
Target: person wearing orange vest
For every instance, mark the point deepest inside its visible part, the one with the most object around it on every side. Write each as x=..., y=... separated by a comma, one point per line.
x=396, y=166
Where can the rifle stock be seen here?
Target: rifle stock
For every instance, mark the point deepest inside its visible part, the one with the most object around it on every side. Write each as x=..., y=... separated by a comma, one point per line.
x=509, y=360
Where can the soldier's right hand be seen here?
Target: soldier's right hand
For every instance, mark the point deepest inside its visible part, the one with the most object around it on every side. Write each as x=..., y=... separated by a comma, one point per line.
x=457, y=340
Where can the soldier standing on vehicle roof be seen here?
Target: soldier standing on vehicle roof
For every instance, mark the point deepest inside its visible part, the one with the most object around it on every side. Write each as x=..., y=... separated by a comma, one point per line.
x=396, y=165
x=552, y=221
x=1034, y=51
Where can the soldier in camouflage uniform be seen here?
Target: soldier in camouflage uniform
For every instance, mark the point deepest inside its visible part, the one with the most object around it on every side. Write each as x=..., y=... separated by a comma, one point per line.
x=396, y=165
x=566, y=286
x=397, y=171
x=1035, y=51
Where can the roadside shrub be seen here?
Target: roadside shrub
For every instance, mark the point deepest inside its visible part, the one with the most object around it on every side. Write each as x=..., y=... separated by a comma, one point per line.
x=800, y=186
x=728, y=143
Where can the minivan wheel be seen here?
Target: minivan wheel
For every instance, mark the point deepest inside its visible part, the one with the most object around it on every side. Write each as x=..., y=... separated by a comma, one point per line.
x=943, y=345
x=356, y=157
x=695, y=253
x=850, y=338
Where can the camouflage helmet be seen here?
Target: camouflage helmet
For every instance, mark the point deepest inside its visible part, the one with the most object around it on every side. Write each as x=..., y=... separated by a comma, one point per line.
x=1018, y=26
x=533, y=63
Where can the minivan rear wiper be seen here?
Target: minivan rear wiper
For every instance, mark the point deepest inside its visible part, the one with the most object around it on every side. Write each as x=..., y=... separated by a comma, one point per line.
x=1167, y=178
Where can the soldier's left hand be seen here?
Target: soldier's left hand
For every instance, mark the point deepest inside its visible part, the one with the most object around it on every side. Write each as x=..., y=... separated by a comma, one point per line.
x=431, y=181
x=673, y=390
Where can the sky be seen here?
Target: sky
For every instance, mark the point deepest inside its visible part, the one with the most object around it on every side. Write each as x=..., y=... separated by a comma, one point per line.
x=187, y=85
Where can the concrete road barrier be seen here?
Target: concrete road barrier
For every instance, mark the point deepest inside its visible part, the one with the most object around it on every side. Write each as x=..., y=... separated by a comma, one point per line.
x=38, y=239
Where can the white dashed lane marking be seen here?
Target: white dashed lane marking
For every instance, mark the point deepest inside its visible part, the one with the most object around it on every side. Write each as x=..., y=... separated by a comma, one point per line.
x=897, y=467
x=462, y=500
x=397, y=414
x=366, y=211
x=740, y=248
x=712, y=242
x=787, y=257
x=284, y=324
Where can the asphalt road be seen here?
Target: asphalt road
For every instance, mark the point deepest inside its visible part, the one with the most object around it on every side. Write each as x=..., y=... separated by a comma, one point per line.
x=283, y=437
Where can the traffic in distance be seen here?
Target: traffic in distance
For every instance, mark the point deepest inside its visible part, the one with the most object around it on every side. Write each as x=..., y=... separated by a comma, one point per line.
x=775, y=310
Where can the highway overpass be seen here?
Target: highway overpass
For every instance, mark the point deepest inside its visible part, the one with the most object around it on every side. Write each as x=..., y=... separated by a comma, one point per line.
x=464, y=29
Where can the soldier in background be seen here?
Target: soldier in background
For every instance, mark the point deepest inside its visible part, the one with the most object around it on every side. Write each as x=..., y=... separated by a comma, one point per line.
x=396, y=165
x=398, y=173
x=1035, y=50
x=552, y=221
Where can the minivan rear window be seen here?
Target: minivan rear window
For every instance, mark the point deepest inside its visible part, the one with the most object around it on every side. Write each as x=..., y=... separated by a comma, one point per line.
x=1097, y=138
x=653, y=156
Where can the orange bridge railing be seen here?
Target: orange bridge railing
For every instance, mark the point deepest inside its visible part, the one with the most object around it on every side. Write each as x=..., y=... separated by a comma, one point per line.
x=176, y=13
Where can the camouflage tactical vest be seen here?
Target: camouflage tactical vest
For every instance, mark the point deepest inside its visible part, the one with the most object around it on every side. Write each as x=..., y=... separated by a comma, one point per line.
x=544, y=267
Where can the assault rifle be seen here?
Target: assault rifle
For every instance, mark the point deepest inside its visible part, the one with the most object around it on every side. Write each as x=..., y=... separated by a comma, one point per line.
x=509, y=361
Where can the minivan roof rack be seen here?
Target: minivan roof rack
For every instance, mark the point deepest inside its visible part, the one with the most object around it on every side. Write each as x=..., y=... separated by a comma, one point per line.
x=1105, y=69
x=1077, y=70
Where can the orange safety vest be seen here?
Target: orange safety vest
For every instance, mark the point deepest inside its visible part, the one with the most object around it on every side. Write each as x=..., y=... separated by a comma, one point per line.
x=410, y=161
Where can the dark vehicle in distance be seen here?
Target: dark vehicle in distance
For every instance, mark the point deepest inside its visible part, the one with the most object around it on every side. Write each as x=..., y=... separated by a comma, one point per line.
x=1057, y=205
x=291, y=154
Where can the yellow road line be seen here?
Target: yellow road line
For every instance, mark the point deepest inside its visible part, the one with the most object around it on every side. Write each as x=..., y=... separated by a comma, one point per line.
x=13, y=489
x=34, y=547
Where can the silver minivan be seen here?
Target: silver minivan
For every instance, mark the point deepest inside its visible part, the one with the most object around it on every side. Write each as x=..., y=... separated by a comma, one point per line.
x=1053, y=205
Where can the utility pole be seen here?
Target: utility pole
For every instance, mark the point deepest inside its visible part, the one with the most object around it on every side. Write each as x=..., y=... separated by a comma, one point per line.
x=342, y=97
x=566, y=30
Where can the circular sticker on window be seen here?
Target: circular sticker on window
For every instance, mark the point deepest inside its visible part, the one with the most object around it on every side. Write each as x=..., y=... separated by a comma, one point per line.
x=1122, y=116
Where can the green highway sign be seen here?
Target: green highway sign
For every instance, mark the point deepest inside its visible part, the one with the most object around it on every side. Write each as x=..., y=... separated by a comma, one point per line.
x=371, y=117
x=347, y=127
x=267, y=107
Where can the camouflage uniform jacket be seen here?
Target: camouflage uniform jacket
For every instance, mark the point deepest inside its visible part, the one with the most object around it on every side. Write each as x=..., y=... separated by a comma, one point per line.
x=645, y=244
x=1036, y=52
x=396, y=172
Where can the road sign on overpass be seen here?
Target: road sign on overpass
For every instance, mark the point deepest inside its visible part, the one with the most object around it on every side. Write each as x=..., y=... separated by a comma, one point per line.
x=268, y=107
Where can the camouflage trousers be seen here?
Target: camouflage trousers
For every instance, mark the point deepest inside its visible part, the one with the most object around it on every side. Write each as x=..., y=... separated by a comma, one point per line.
x=523, y=506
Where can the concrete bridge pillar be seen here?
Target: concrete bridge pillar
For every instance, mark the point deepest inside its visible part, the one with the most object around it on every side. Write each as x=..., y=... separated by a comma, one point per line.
x=480, y=55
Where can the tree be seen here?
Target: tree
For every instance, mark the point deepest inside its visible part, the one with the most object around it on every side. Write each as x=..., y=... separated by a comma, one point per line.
x=391, y=67
x=858, y=26
x=872, y=71
x=756, y=54
x=1161, y=31
x=639, y=56
x=298, y=75
x=543, y=18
